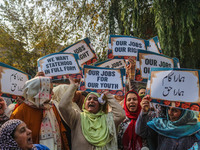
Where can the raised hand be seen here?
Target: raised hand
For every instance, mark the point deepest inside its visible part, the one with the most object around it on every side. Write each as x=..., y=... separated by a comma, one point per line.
x=145, y=104
x=72, y=81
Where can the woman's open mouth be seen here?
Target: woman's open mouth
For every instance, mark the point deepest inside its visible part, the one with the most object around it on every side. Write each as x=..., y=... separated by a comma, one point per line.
x=91, y=105
x=29, y=141
x=132, y=106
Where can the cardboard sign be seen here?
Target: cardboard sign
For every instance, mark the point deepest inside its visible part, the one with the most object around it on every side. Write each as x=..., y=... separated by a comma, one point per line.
x=84, y=50
x=57, y=64
x=12, y=80
x=147, y=60
x=154, y=45
x=126, y=45
x=175, y=87
x=113, y=63
x=111, y=56
x=99, y=78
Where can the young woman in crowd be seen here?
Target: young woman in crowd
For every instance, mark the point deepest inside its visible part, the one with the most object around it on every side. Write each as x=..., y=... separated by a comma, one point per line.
x=141, y=91
x=14, y=134
x=93, y=128
x=178, y=131
x=127, y=138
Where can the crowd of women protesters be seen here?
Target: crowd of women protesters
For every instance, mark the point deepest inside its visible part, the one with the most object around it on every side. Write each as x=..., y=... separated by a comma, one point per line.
x=62, y=118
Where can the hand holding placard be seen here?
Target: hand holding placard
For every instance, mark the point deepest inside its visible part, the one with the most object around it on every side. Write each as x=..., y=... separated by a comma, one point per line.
x=73, y=81
x=145, y=104
x=130, y=68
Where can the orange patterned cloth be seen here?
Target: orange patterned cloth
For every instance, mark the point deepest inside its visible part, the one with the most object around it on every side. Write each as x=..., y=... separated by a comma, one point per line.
x=37, y=112
x=25, y=112
x=32, y=117
x=63, y=131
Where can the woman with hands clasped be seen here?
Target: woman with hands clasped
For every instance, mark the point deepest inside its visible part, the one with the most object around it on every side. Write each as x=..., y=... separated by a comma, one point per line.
x=93, y=128
x=178, y=131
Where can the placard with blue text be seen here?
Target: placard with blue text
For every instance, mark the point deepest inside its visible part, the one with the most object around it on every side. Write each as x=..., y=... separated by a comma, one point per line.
x=112, y=63
x=99, y=78
x=59, y=65
x=147, y=60
x=126, y=45
x=84, y=50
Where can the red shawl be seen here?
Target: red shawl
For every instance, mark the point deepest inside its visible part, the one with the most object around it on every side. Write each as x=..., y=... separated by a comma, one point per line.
x=130, y=137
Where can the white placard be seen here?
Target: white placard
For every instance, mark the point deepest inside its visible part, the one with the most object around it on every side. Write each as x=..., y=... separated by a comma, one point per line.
x=103, y=79
x=12, y=81
x=148, y=61
x=113, y=63
x=153, y=47
x=175, y=85
x=124, y=46
x=59, y=64
x=83, y=50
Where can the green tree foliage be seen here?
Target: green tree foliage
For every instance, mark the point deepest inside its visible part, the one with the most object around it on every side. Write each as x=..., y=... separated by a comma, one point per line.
x=31, y=29
x=31, y=34
x=178, y=26
x=46, y=26
x=175, y=22
x=132, y=17
x=12, y=51
x=92, y=21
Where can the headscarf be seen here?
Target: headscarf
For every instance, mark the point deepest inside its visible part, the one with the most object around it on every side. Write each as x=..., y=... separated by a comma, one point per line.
x=186, y=125
x=58, y=91
x=6, y=134
x=58, y=94
x=3, y=117
x=37, y=93
x=94, y=126
x=130, y=137
x=141, y=95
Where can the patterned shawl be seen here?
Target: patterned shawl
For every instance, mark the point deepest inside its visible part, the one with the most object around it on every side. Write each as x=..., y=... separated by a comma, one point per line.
x=37, y=93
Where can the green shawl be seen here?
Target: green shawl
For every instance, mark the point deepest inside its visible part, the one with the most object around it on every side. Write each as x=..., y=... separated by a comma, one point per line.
x=94, y=126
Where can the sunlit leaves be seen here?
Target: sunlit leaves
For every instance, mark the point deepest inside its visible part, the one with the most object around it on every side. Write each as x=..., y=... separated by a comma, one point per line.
x=42, y=27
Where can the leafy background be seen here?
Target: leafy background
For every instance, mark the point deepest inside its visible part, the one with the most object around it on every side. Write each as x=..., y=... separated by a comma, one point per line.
x=30, y=29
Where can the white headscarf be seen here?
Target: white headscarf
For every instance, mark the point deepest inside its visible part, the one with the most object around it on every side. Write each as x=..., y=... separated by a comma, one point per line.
x=37, y=93
x=59, y=91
